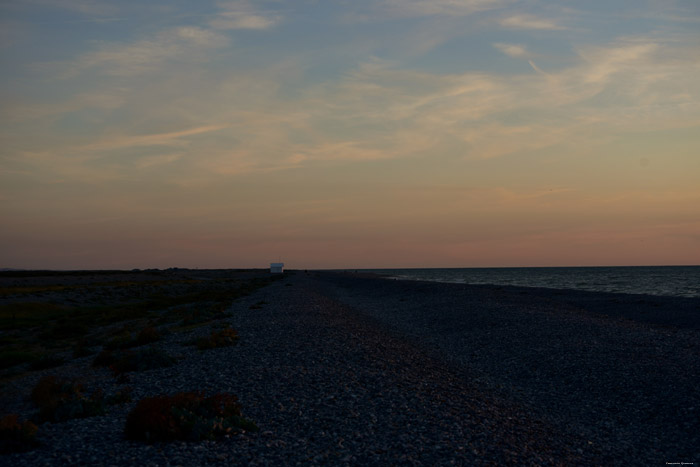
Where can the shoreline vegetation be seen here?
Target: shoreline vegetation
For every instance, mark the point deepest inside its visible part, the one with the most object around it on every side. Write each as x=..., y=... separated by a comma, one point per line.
x=243, y=367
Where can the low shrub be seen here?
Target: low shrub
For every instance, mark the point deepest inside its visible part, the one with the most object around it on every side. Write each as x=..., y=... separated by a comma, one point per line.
x=123, y=340
x=125, y=361
x=83, y=348
x=118, y=342
x=185, y=416
x=148, y=335
x=46, y=361
x=120, y=397
x=119, y=337
x=12, y=358
x=60, y=399
x=63, y=330
x=16, y=436
x=222, y=338
x=196, y=317
x=104, y=358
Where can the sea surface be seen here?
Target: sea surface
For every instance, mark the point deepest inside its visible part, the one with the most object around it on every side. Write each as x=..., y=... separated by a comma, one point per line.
x=677, y=281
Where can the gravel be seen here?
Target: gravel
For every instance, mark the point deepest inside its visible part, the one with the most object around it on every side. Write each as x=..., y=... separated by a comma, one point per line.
x=339, y=369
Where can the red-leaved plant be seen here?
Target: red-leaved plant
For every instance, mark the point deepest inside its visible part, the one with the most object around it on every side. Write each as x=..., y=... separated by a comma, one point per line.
x=16, y=436
x=185, y=416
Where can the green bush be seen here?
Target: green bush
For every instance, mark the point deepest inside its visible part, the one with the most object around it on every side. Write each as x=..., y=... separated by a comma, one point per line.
x=10, y=358
x=46, y=361
x=123, y=339
x=120, y=397
x=64, y=330
x=119, y=341
x=83, y=348
x=223, y=338
x=60, y=399
x=104, y=358
x=16, y=436
x=148, y=335
x=185, y=416
x=125, y=361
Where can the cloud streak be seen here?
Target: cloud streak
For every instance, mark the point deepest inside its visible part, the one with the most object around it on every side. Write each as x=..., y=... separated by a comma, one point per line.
x=85, y=7
x=174, y=138
x=531, y=22
x=441, y=7
x=242, y=15
x=141, y=56
x=512, y=50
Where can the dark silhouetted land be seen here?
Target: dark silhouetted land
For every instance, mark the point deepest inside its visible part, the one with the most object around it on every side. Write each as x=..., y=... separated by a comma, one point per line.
x=340, y=368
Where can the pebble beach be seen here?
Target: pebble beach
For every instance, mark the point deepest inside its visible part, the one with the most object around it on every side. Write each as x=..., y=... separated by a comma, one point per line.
x=352, y=369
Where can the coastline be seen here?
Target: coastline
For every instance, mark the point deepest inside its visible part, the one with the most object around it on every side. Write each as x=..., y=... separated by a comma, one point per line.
x=664, y=310
x=620, y=367
x=675, y=281
x=348, y=369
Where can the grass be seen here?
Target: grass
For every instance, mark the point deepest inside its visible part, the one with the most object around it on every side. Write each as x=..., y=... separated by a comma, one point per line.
x=225, y=337
x=10, y=358
x=123, y=338
x=119, y=321
x=31, y=290
x=124, y=361
x=64, y=322
x=46, y=361
x=30, y=314
x=78, y=319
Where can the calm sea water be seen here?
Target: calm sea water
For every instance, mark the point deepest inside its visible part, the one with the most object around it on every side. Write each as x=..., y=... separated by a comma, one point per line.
x=679, y=281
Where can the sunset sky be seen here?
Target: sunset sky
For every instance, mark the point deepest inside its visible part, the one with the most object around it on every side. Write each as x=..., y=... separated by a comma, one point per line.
x=349, y=134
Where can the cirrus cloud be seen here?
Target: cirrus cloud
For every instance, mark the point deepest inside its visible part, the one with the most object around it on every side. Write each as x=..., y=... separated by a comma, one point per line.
x=441, y=7
x=139, y=56
x=512, y=50
x=242, y=15
x=530, y=22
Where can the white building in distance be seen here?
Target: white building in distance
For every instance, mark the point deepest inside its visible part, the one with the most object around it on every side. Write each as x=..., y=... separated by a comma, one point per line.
x=276, y=268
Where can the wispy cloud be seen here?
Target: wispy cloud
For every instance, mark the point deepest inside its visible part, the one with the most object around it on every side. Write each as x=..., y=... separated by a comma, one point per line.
x=512, y=50
x=11, y=32
x=149, y=162
x=530, y=22
x=158, y=139
x=399, y=112
x=201, y=37
x=607, y=61
x=441, y=7
x=243, y=15
x=128, y=59
x=85, y=7
x=379, y=109
x=19, y=111
x=382, y=111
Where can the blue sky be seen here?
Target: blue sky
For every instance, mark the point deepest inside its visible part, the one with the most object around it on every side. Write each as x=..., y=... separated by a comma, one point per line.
x=349, y=133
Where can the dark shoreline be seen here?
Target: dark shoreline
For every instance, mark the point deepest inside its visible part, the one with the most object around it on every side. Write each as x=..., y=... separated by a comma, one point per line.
x=663, y=310
x=355, y=370
x=619, y=368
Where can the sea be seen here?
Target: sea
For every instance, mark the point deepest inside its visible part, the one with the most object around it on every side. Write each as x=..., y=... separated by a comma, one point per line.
x=676, y=281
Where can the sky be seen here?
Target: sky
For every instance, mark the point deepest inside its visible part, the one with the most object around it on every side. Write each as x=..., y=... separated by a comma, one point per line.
x=349, y=134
